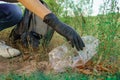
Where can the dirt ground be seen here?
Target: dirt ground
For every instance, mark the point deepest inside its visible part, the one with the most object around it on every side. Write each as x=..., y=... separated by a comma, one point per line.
x=25, y=63
x=21, y=66
x=30, y=60
x=38, y=60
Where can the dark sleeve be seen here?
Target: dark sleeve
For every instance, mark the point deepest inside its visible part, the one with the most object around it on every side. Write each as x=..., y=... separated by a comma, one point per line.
x=10, y=0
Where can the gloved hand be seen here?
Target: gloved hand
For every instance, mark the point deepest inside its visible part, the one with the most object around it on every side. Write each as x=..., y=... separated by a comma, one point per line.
x=66, y=31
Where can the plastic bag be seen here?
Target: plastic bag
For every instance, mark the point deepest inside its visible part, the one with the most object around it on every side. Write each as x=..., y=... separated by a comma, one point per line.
x=65, y=56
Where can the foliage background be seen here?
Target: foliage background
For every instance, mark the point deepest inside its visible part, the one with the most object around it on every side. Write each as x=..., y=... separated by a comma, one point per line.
x=105, y=27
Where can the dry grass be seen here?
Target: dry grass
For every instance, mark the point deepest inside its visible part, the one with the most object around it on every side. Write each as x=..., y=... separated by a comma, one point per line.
x=29, y=56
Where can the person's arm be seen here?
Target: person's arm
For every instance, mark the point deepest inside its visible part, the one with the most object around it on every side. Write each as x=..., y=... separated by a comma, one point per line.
x=36, y=7
x=49, y=18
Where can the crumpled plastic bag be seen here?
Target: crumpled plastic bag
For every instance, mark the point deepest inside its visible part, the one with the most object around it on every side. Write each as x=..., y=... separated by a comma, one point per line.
x=65, y=56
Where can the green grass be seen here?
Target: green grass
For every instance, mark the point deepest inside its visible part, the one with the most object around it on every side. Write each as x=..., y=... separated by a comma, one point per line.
x=60, y=76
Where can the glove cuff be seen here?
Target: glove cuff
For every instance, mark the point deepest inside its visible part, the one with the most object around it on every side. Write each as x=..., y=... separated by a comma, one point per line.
x=51, y=20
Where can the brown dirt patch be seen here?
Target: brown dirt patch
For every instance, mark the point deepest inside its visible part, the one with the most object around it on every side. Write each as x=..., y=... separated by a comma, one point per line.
x=30, y=60
x=37, y=60
x=17, y=65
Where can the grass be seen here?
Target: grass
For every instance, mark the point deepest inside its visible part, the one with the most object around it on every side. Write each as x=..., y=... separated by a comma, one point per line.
x=60, y=76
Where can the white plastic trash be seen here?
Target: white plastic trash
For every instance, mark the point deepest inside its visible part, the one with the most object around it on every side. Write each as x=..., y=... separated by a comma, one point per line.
x=59, y=59
x=7, y=51
x=91, y=44
x=64, y=56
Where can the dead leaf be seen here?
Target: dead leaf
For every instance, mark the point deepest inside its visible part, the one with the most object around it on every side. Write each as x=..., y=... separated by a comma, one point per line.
x=102, y=68
x=87, y=71
x=26, y=57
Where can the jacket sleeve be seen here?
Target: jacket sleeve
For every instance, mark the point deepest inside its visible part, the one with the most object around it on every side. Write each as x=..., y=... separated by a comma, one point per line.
x=10, y=0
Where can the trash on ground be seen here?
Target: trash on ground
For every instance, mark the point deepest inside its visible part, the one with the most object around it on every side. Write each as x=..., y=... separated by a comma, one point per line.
x=7, y=51
x=67, y=57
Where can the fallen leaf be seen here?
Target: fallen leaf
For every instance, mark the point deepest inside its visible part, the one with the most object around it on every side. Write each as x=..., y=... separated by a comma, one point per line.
x=87, y=71
x=102, y=68
x=26, y=57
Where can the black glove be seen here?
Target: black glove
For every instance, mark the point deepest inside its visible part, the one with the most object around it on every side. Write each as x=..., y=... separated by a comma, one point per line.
x=66, y=31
